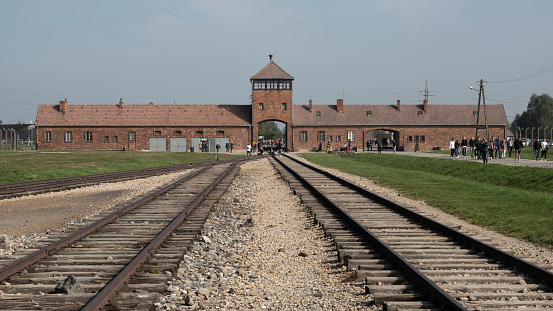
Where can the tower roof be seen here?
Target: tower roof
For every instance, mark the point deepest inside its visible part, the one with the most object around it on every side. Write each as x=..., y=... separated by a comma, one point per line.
x=272, y=71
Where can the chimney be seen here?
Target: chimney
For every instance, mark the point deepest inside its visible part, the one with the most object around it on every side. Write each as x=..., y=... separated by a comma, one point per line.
x=425, y=105
x=340, y=105
x=398, y=106
x=120, y=103
x=310, y=105
x=63, y=105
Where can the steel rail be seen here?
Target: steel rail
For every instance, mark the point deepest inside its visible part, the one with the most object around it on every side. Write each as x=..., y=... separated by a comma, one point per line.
x=530, y=268
x=12, y=189
x=25, y=262
x=429, y=287
x=103, y=297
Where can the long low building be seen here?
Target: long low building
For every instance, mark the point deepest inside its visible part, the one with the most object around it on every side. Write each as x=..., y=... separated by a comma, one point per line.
x=187, y=127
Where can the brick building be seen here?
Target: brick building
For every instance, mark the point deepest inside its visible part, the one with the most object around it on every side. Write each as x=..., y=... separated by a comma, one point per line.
x=185, y=127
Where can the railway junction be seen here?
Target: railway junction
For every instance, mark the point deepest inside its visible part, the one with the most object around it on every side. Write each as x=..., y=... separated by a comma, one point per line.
x=253, y=235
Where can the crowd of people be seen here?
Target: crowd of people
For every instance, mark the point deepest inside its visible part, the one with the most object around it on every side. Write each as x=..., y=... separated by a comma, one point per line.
x=495, y=148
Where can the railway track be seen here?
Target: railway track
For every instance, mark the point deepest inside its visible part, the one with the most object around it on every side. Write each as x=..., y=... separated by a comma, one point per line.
x=123, y=260
x=60, y=184
x=409, y=261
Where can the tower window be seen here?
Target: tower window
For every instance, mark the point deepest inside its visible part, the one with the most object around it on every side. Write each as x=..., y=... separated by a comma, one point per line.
x=260, y=106
x=283, y=106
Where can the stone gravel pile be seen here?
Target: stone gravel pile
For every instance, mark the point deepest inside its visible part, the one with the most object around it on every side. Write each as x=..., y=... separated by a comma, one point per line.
x=260, y=250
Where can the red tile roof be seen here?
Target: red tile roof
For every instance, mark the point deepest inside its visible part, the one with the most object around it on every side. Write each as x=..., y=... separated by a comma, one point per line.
x=144, y=115
x=272, y=71
x=389, y=115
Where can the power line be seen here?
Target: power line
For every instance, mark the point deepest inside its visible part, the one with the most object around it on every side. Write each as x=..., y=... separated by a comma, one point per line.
x=529, y=76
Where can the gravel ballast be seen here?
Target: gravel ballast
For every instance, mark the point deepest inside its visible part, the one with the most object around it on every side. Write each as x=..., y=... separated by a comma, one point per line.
x=262, y=251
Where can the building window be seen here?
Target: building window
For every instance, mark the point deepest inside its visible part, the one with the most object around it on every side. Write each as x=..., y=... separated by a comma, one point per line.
x=338, y=138
x=48, y=136
x=178, y=132
x=157, y=132
x=369, y=113
x=259, y=85
x=106, y=139
x=115, y=139
x=351, y=136
x=318, y=113
x=321, y=136
x=132, y=136
x=199, y=132
x=68, y=137
x=420, y=113
x=303, y=136
x=423, y=139
x=260, y=106
x=220, y=133
x=272, y=85
x=283, y=106
x=88, y=136
x=329, y=138
x=284, y=85
x=410, y=139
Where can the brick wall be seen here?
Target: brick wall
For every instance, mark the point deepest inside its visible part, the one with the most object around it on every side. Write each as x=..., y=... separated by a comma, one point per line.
x=238, y=135
x=272, y=101
x=406, y=136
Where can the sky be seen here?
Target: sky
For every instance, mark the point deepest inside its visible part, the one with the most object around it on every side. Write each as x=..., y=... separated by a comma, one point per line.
x=205, y=51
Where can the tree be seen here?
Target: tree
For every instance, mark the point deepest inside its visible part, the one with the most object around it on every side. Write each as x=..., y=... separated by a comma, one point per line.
x=539, y=113
x=269, y=129
x=1, y=122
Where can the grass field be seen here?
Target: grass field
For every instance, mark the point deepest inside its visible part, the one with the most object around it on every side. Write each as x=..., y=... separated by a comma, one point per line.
x=37, y=165
x=514, y=200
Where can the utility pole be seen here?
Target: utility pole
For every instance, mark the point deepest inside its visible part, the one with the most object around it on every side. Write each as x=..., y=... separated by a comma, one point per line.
x=426, y=92
x=482, y=97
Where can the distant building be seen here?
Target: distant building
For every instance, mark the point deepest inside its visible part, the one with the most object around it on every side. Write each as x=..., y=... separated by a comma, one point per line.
x=187, y=127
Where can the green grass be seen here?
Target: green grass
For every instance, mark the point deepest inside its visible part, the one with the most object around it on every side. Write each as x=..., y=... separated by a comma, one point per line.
x=513, y=200
x=38, y=165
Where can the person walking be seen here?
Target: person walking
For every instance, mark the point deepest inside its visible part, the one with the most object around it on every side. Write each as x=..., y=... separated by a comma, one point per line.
x=537, y=148
x=231, y=146
x=510, y=146
x=379, y=145
x=472, y=144
x=452, y=147
x=485, y=149
x=518, y=149
x=544, y=148
x=248, y=150
x=497, y=148
x=227, y=147
x=217, y=147
x=464, y=146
